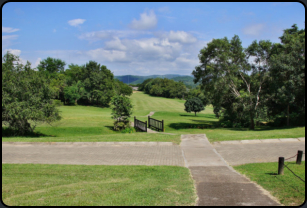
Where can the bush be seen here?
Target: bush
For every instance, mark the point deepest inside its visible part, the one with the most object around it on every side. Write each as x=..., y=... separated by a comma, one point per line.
x=58, y=102
x=129, y=130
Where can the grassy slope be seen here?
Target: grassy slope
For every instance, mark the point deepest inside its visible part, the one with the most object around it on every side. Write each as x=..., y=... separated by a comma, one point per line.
x=287, y=188
x=86, y=123
x=180, y=122
x=96, y=185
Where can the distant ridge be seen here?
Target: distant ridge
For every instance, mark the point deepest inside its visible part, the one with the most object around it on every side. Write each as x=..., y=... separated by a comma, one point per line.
x=134, y=79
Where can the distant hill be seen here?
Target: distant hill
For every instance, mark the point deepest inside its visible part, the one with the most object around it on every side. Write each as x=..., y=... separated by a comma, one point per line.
x=133, y=79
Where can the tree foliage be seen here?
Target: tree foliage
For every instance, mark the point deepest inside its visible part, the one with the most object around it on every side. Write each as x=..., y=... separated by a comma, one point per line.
x=121, y=111
x=259, y=82
x=164, y=88
x=26, y=97
x=287, y=89
x=194, y=105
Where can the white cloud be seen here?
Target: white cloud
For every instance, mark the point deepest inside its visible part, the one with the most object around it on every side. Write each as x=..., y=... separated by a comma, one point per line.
x=147, y=21
x=109, y=34
x=107, y=55
x=76, y=22
x=15, y=52
x=9, y=29
x=37, y=62
x=115, y=44
x=9, y=37
x=7, y=40
x=97, y=35
x=181, y=36
x=253, y=30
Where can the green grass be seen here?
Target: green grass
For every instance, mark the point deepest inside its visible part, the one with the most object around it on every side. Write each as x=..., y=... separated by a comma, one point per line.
x=287, y=188
x=88, y=123
x=96, y=185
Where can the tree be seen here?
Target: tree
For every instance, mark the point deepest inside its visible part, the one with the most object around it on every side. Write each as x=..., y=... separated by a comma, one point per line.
x=224, y=77
x=26, y=97
x=194, y=104
x=51, y=65
x=288, y=73
x=122, y=88
x=98, y=83
x=121, y=111
x=73, y=93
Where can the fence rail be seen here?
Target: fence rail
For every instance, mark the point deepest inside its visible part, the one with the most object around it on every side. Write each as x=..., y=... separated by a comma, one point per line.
x=159, y=125
x=140, y=124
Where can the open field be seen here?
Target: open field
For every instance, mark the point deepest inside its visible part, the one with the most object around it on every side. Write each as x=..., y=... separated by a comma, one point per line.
x=287, y=188
x=88, y=123
x=96, y=185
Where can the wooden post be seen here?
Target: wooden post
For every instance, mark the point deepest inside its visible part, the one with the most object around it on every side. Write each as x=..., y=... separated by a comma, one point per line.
x=148, y=121
x=281, y=161
x=162, y=125
x=299, y=157
x=134, y=122
x=146, y=126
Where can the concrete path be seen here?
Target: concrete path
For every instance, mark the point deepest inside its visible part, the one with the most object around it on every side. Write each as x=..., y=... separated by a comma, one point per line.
x=97, y=153
x=253, y=151
x=218, y=184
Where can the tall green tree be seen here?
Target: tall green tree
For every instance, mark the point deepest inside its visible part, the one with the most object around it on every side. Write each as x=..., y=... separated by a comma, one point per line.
x=26, y=97
x=224, y=75
x=288, y=73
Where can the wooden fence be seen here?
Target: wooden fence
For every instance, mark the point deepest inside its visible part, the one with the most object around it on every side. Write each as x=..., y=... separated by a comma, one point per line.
x=159, y=125
x=140, y=125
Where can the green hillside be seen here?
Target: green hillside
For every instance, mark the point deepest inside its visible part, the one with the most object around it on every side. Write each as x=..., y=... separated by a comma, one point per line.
x=133, y=79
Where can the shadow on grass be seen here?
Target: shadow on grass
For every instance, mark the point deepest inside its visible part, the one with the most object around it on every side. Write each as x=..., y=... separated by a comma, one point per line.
x=203, y=125
x=199, y=115
x=261, y=128
x=271, y=173
x=13, y=133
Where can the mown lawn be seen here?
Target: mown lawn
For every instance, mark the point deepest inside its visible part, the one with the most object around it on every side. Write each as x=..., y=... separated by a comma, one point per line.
x=287, y=188
x=96, y=185
x=88, y=123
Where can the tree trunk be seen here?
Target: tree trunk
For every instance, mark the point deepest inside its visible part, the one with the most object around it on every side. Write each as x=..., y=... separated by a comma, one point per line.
x=252, y=126
x=288, y=115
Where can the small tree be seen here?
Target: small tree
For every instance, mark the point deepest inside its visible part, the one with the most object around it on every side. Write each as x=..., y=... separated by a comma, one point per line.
x=121, y=110
x=194, y=104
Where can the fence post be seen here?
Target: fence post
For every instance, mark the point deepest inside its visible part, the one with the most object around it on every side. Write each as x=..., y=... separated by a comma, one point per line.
x=134, y=122
x=148, y=121
x=162, y=125
x=146, y=125
x=299, y=157
x=281, y=161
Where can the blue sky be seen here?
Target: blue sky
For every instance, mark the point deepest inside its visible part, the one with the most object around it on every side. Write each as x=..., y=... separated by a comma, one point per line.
x=138, y=38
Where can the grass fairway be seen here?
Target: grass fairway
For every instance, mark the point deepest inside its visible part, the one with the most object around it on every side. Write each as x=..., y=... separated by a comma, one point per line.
x=287, y=188
x=82, y=185
x=180, y=122
x=88, y=123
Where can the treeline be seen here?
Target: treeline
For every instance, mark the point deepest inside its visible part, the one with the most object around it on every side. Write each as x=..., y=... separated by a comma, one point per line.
x=264, y=82
x=29, y=96
x=164, y=88
x=89, y=84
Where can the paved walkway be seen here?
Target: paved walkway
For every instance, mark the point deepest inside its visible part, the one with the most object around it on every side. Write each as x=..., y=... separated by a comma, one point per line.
x=218, y=184
x=242, y=152
x=97, y=153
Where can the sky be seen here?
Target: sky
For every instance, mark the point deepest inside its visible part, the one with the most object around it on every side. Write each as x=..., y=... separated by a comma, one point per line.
x=138, y=38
